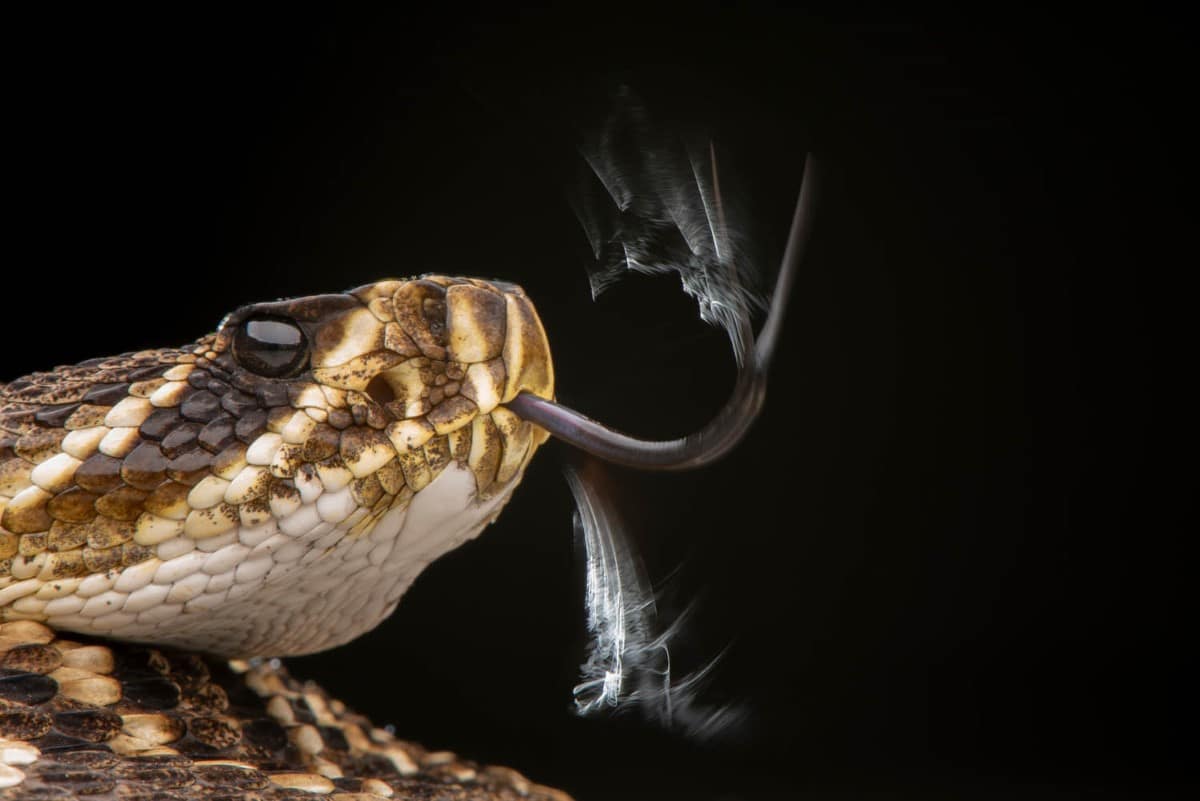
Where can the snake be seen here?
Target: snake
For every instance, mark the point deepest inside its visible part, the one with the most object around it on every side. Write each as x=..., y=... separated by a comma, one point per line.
x=174, y=520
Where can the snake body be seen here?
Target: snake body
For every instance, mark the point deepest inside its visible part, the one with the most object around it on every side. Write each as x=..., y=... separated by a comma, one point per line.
x=270, y=490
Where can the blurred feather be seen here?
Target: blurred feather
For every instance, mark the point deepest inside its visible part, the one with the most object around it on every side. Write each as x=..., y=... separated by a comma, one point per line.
x=651, y=203
x=629, y=660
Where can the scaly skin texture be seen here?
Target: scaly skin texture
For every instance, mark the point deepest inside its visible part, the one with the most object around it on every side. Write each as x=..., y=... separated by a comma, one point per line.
x=187, y=498
x=89, y=720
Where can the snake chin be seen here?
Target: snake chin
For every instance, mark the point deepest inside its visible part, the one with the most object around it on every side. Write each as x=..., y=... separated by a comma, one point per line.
x=299, y=585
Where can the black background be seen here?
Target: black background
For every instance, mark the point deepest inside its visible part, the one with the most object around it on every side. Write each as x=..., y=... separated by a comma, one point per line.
x=950, y=557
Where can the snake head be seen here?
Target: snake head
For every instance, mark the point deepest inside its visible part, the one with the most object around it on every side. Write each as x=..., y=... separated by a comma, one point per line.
x=402, y=375
x=276, y=487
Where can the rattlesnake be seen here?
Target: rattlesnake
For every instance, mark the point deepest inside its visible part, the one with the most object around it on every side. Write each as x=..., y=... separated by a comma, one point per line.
x=170, y=517
x=270, y=490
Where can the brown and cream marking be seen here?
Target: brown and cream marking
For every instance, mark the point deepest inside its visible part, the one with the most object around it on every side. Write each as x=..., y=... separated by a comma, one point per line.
x=83, y=719
x=274, y=488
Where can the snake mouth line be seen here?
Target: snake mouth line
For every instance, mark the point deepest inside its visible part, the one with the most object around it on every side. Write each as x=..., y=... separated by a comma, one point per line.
x=734, y=420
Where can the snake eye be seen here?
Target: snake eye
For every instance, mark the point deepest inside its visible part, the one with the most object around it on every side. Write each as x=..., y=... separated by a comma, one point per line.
x=274, y=347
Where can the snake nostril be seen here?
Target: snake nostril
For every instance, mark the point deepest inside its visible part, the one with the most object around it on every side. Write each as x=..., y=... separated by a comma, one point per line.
x=380, y=391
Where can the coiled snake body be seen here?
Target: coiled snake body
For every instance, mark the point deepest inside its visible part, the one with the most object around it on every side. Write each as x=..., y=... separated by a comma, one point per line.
x=271, y=490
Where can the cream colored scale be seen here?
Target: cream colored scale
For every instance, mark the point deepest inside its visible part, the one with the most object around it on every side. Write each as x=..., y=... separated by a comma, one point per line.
x=296, y=592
